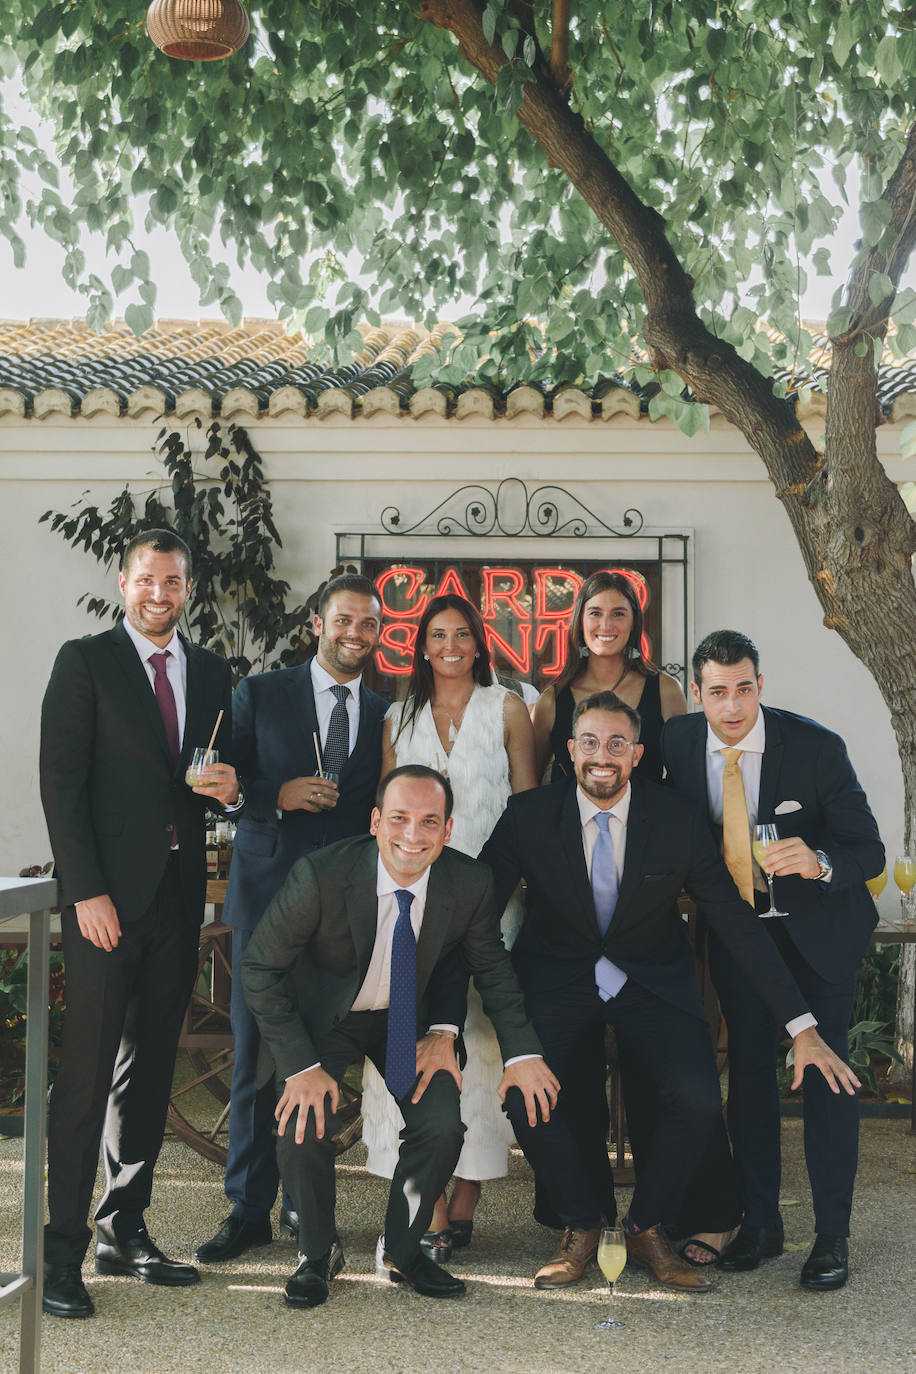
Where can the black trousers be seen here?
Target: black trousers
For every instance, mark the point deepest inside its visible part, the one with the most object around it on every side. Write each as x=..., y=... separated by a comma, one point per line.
x=430, y=1145
x=663, y=1049
x=754, y=1122
x=124, y=1013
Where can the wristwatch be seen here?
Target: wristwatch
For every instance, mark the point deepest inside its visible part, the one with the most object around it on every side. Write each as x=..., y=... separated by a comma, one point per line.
x=824, y=865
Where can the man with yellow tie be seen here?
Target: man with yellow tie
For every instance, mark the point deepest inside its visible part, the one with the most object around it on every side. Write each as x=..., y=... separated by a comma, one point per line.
x=749, y=765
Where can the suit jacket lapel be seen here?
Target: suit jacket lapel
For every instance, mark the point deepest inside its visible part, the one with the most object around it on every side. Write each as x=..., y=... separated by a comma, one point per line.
x=571, y=840
x=139, y=689
x=365, y=729
x=437, y=917
x=637, y=835
x=197, y=731
x=361, y=903
x=770, y=767
x=303, y=718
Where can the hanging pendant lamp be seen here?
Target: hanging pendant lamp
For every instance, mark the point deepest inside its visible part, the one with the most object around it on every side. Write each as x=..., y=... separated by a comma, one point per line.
x=197, y=30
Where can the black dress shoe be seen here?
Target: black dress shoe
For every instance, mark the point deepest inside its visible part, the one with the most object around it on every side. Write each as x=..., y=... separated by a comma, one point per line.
x=422, y=1274
x=827, y=1266
x=234, y=1237
x=289, y=1224
x=64, y=1293
x=139, y=1257
x=309, y=1286
x=751, y=1245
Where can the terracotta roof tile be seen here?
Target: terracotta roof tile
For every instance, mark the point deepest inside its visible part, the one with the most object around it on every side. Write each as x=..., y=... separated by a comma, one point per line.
x=55, y=367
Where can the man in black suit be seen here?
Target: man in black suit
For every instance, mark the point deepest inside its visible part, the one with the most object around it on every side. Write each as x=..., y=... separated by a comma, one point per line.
x=793, y=772
x=340, y=967
x=291, y=810
x=604, y=858
x=121, y=715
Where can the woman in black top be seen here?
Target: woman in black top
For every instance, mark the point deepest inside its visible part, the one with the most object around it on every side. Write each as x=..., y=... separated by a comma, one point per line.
x=605, y=653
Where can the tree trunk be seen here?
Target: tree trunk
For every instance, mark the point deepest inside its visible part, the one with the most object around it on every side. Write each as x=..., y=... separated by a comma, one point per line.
x=855, y=534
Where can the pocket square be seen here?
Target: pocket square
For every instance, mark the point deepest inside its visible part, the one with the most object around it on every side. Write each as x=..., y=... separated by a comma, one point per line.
x=785, y=807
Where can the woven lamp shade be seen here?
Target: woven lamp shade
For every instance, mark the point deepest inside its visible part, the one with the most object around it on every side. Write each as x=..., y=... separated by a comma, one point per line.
x=197, y=30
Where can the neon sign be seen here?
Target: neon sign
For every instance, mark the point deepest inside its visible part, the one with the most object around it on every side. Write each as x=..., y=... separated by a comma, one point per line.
x=526, y=607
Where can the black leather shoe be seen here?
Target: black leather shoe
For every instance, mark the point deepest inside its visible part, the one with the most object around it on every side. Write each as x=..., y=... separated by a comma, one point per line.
x=139, y=1257
x=234, y=1237
x=64, y=1293
x=309, y=1286
x=422, y=1274
x=289, y=1224
x=751, y=1245
x=827, y=1266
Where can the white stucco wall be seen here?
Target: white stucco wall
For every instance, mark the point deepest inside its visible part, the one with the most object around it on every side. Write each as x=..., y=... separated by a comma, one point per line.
x=337, y=475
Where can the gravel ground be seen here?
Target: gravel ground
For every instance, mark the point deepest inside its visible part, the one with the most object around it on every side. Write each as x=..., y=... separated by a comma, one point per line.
x=235, y=1319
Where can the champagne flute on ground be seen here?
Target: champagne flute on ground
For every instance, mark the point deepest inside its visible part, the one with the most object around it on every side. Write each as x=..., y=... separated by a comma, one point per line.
x=612, y=1256
x=904, y=877
x=766, y=835
x=201, y=760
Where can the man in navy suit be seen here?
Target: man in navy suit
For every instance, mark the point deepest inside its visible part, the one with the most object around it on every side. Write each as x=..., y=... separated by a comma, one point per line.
x=797, y=774
x=121, y=715
x=290, y=811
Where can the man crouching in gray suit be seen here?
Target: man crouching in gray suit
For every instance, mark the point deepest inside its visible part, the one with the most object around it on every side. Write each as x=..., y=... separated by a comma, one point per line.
x=340, y=967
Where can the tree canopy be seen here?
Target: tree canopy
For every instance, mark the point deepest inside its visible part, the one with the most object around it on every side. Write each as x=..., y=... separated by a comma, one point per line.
x=349, y=133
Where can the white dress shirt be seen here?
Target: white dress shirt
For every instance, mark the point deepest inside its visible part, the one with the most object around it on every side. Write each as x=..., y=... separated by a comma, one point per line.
x=176, y=668
x=326, y=700
x=617, y=829
x=750, y=763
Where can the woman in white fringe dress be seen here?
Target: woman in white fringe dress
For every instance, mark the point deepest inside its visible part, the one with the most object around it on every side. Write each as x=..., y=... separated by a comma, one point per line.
x=481, y=736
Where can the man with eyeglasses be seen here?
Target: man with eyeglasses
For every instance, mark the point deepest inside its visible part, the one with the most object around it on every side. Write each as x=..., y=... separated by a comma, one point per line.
x=604, y=858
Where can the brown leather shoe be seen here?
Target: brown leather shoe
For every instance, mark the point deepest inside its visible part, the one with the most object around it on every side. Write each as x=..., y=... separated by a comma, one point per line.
x=568, y=1265
x=650, y=1250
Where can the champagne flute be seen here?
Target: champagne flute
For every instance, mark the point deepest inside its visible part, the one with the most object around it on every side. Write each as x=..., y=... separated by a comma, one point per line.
x=201, y=759
x=904, y=877
x=765, y=835
x=877, y=884
x=612, y=1256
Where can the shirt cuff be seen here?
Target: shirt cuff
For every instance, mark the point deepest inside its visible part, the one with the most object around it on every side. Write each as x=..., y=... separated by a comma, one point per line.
x=445, y=1026
x=520, y=1057
x=236, y=806
x=800, y=1023
x=289, y=1078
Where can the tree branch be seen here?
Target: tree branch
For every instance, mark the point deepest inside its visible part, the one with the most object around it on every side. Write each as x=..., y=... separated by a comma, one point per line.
x=559, y=45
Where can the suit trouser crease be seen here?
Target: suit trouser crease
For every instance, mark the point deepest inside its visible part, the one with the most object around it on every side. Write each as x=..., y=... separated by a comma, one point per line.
x=669, y=1049
x=430, y=1145
x=831, y=1120
x=125, y=1009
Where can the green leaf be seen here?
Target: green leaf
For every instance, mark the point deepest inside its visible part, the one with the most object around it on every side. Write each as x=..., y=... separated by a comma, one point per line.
x=138, y=318
x=488, y=23
x=880, y=288
x=875, y=216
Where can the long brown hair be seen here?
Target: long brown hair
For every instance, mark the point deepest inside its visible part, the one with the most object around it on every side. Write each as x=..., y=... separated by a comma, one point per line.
x=604, y=581
x=420, y=685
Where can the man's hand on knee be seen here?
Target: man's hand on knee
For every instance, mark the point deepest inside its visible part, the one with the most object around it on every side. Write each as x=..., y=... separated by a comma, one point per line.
x=535, y=1082
x=303, y=1092
x=811, y=1049
x=434, y=1052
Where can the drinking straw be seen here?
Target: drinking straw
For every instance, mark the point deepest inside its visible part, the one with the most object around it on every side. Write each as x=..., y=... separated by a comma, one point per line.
x=215, y=728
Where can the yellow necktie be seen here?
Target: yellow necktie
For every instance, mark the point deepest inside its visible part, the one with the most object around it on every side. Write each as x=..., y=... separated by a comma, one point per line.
x=736, y=834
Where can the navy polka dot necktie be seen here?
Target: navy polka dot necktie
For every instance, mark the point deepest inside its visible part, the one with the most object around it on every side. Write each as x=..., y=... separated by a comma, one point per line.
x=401, y=1050
x=337, y=743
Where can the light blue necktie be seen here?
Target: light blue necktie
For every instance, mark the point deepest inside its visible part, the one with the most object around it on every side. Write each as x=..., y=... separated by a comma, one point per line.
x=401, y=1049
x=609, y=978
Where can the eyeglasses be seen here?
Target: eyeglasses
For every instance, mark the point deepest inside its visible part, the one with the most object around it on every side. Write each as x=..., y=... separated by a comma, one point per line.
x=616, y=746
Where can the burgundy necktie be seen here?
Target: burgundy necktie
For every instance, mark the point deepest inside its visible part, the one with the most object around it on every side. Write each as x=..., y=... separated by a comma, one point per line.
x=166, y=699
